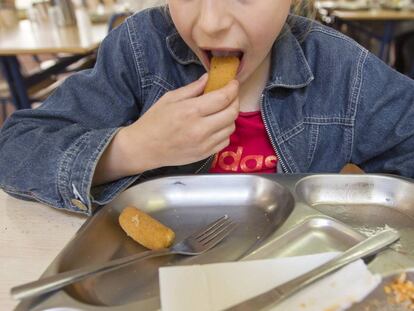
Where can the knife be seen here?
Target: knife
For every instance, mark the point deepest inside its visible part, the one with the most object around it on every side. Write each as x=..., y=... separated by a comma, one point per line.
x=365, y=248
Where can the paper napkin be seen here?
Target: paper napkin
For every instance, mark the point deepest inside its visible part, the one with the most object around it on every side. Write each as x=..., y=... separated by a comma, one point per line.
x=214, y=287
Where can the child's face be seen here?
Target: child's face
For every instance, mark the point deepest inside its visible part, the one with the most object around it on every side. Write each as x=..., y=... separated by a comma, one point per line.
x=246, y=28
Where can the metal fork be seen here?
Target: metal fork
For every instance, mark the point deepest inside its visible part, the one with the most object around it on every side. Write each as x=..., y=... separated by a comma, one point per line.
x=195, y=244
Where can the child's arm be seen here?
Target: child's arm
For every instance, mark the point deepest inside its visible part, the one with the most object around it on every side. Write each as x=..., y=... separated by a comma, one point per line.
x=383, y=139
x=181, y=128
x=49, y=153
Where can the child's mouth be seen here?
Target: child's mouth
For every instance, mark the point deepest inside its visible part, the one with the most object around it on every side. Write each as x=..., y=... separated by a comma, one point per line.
x=210, y=53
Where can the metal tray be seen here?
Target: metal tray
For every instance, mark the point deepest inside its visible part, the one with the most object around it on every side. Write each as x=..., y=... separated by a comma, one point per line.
x=378, y=300
x=258, y=205
x=315, y=234
x=326, y=212
x=367, y=203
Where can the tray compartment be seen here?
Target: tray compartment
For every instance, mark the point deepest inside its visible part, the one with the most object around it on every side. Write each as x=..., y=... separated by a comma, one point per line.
x=378, y=300
x=315, y=234
x=185, y=204
x=367, y=203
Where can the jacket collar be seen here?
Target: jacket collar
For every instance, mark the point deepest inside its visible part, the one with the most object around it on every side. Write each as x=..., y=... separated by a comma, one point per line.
x=289, y=68
x=180, y=51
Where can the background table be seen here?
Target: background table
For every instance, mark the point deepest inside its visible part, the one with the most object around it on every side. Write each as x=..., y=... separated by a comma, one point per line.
x=31, y=236
x=31, y=38
x=329, y=13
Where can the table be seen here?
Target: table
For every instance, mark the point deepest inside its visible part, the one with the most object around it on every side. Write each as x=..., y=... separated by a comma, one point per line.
x=30, y=38
x=329, y=12
x=31, y=236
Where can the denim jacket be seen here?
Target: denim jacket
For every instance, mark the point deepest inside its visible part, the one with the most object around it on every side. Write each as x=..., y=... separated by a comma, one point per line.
x=327, y=102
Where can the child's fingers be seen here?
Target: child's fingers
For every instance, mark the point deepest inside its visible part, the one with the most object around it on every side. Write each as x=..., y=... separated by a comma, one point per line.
x=223, y=118
x=191, y=90
x=218, y=100
x=221, y=139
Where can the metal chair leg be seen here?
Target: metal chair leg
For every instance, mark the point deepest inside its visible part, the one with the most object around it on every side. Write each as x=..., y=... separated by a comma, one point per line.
x=3, y=104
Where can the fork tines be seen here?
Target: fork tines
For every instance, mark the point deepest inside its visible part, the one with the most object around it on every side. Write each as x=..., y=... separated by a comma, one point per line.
x=216, y=231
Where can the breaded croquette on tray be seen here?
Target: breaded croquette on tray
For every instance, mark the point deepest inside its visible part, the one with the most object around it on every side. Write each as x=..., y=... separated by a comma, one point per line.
x=145, y=230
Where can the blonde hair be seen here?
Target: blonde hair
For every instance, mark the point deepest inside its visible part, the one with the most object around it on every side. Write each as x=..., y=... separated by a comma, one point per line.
x=304, y=8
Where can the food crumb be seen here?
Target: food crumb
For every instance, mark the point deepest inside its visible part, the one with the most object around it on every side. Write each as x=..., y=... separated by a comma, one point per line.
x=332, y=308
x=402, y=291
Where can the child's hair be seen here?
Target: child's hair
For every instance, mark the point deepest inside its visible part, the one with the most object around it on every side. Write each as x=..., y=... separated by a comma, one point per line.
x=304, y=8
x=166, y=12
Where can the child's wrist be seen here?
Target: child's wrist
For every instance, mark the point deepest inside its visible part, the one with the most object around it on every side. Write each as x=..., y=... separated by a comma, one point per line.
x=132, y=152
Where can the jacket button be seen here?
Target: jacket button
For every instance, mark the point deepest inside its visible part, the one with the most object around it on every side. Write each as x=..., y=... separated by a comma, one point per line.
x=79, y=204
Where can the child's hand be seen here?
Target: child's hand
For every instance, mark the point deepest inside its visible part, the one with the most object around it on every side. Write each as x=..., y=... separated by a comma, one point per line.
x=183, y=126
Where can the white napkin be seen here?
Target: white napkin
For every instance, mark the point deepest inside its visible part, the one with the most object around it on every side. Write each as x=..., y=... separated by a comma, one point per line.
x=218, y=286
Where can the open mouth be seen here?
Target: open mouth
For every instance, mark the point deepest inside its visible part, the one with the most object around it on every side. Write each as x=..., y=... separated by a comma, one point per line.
x=210, y=53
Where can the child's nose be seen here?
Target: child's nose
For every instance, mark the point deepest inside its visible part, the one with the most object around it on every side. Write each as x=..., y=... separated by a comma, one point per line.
x=214, y=16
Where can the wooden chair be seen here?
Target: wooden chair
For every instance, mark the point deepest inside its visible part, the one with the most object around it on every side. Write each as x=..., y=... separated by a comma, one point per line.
x=4, y=99
x=117, y=19
x=351, y=169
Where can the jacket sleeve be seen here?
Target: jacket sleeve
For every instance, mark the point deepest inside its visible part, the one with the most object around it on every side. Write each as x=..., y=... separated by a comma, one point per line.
x=49, y=154
x=384, y=124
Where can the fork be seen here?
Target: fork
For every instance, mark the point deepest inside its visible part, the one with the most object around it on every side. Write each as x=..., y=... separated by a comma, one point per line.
x=195, y=244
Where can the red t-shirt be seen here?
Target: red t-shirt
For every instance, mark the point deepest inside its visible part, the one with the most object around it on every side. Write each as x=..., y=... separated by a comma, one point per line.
x=249, y=150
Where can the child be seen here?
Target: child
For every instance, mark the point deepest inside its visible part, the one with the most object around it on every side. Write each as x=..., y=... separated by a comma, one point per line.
x=310, y=100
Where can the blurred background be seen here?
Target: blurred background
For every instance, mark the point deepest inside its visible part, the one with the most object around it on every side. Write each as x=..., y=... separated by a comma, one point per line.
x=42, y=42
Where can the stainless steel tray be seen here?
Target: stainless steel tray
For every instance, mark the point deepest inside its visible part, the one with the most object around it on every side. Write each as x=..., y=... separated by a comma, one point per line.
x=378, y=300
x=315, y=234
x=367, y=203
x=260, y=204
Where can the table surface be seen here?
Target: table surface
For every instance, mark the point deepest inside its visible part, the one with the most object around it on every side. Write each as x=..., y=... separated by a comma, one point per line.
x=31, y=236
x=364, y=14
x=374, y=15
x=33, y=38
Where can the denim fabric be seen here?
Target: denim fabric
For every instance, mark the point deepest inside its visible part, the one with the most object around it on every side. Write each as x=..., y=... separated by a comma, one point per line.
x=328, y=101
